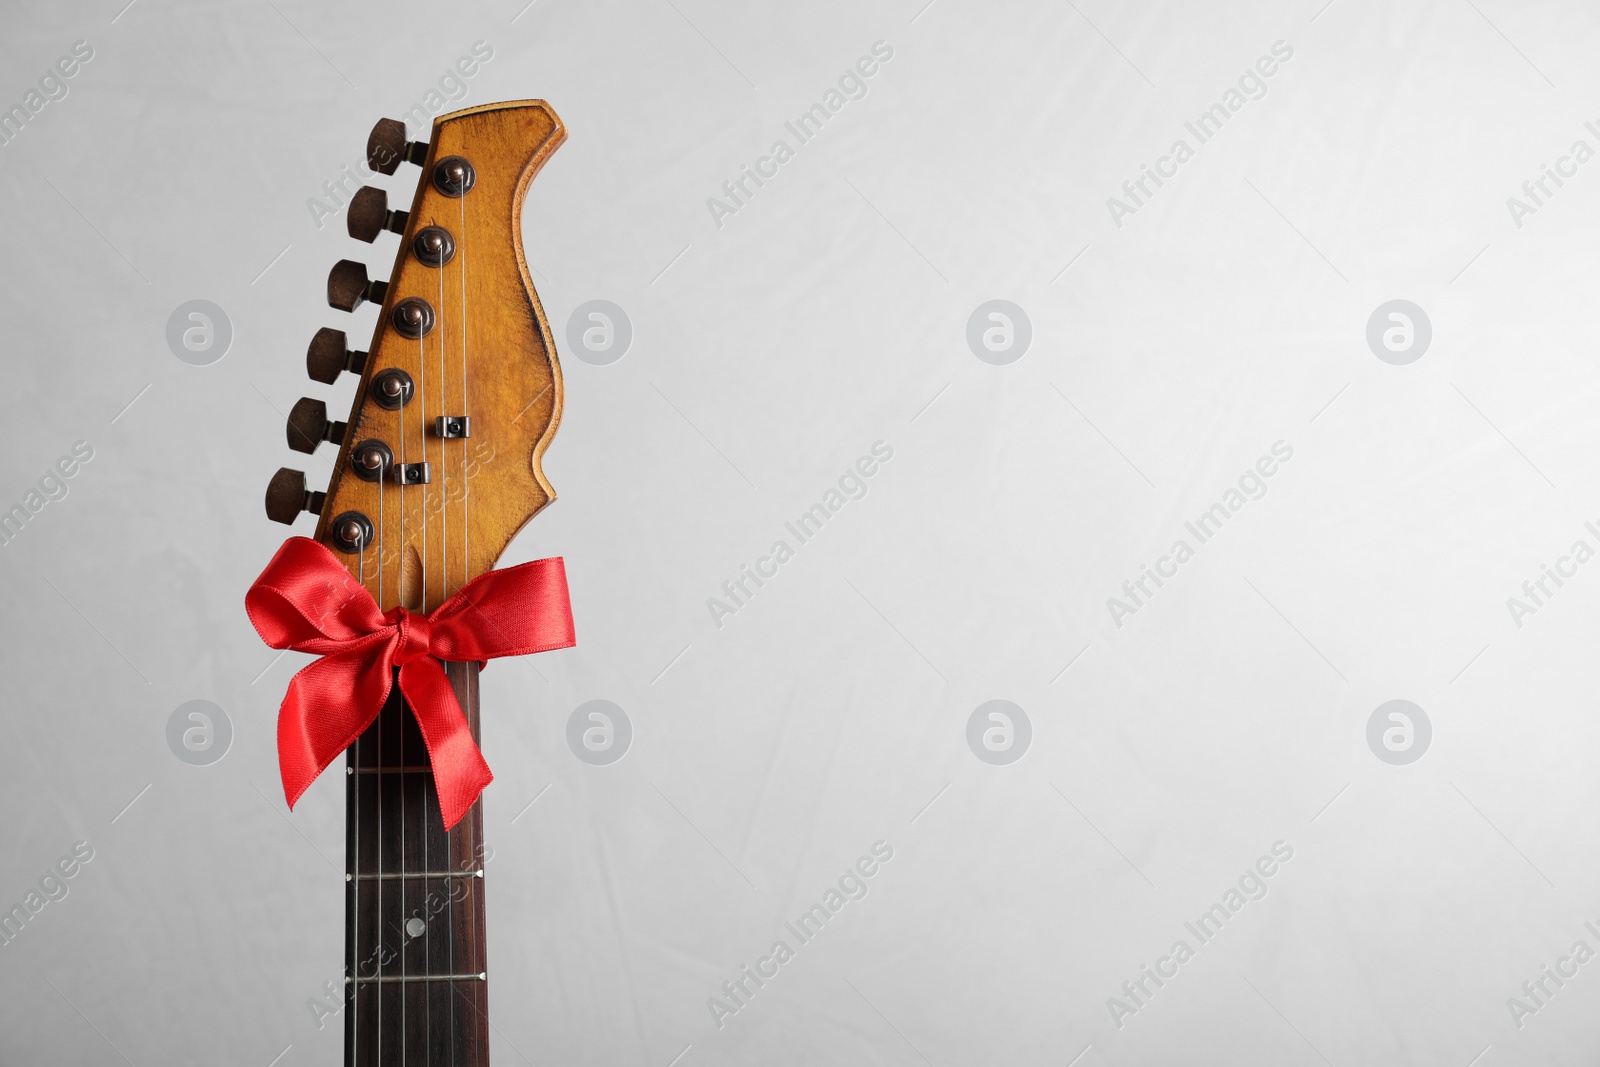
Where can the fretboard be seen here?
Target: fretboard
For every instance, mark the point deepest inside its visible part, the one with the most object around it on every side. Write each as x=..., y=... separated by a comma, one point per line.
x=416, y=976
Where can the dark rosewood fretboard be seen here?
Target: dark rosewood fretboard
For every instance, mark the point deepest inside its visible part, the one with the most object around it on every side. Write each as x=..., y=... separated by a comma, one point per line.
x=415, y=964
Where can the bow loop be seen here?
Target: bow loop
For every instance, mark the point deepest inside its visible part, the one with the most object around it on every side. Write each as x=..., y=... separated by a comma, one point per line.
x=305, y=600
x=307, y=603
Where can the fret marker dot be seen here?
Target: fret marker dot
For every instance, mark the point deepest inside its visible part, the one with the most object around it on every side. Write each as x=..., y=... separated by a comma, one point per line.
x=415, y=926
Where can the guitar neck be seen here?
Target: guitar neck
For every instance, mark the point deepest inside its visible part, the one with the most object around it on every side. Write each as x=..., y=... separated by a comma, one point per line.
x=415, y=960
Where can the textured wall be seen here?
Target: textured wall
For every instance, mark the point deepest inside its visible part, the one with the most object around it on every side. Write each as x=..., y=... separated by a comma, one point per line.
x=1196, y=501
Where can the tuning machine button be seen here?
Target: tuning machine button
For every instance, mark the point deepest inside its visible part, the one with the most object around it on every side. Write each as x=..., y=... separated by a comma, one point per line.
x=368, y=215
x=327, y=357
x=348, y=286
x=308, y=425
x=287, y=496
x=387, y=147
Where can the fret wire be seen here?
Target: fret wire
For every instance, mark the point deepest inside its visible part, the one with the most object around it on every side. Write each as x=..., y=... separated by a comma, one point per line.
x=397, y=978
x=417, y=874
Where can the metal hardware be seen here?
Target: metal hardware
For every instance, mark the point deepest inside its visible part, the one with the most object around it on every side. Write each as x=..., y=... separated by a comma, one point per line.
x=451, y=427
x=308, y=425
x=482, y=976
x=348, y=286
x=433, y=246
x=287, y=496
x=387, y=147
x=327, y=357
x=391, y=389
x=368, y=215
x=453, y=176
x=412, y=474
x=396, y=876
x=351, y=531
x=370, y=460
x=413, y=318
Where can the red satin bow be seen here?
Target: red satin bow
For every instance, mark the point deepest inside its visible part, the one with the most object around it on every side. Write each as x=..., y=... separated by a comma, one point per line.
x=307, y=601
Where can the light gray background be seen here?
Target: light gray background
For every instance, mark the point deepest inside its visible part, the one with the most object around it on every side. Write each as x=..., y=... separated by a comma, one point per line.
x=831, y=712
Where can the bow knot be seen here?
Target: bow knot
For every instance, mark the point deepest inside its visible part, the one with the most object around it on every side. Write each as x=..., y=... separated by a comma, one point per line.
x=307, y=601
x=416, y=636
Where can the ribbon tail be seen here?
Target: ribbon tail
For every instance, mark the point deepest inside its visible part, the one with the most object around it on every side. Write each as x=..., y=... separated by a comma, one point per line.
x=459, y=771
x=329, y=703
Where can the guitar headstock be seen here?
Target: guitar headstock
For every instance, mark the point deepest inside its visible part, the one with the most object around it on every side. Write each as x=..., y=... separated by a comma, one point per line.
x=439, y=462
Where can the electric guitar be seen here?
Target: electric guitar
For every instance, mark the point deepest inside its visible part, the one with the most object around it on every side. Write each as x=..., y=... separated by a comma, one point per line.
x=438, y=468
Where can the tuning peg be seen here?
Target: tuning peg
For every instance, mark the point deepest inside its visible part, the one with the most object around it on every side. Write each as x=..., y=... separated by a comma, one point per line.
x=327, y=357
x=287, y=496
x=387, y=147
x=368, y=215
x=348, y=286
x=308, y=425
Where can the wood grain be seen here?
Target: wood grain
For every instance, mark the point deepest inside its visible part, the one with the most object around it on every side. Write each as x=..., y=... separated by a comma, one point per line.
x=394, y=827
x=490, y=356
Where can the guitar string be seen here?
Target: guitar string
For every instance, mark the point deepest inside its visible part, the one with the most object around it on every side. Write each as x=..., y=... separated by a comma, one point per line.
x=474, y=814
x=444, y=467
x=422, y=411
x=422, y=428
x=377, y=790
x=444, y=558
x=450, y=911
x=466, y=482
x=354, y=862
x=405, y=544
x=475, y=935
x=466, y=574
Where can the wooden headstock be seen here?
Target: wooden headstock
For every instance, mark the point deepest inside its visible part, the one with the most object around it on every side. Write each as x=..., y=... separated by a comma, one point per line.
x=461, y=374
